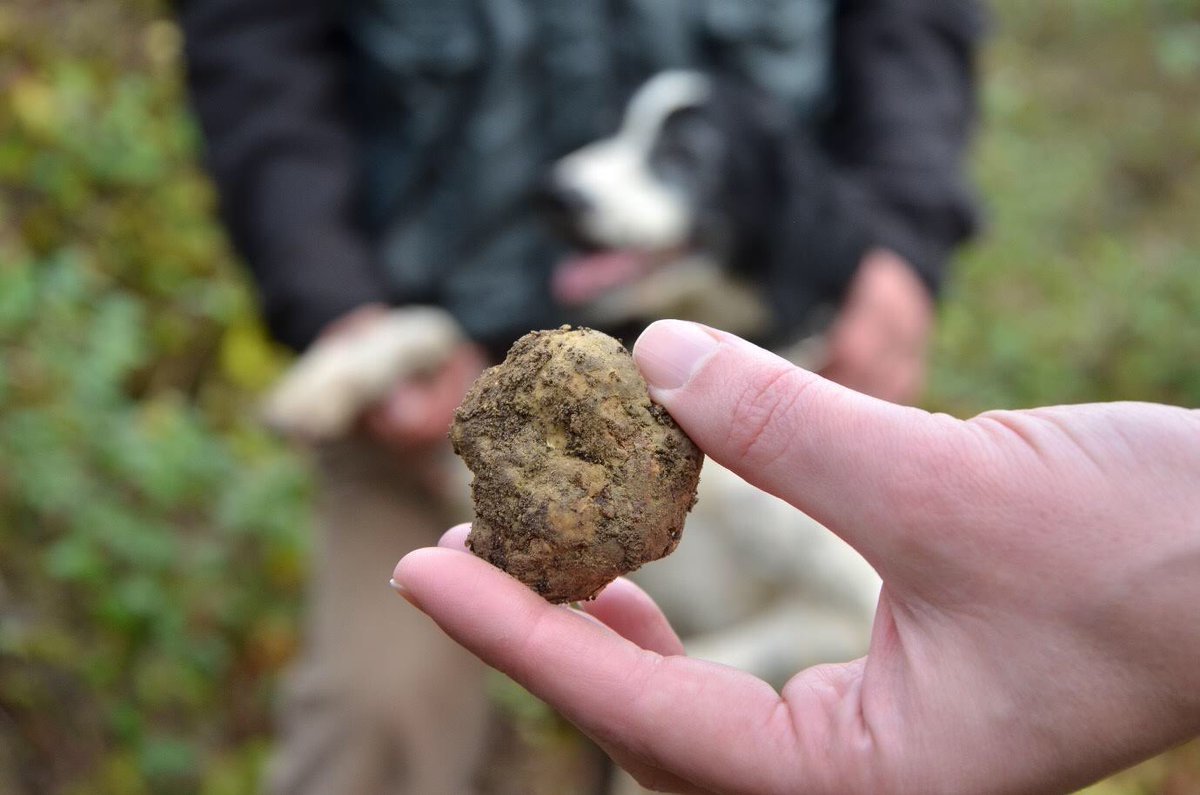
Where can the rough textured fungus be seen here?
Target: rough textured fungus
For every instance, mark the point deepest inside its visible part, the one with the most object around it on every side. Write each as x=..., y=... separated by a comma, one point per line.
x=579, y=477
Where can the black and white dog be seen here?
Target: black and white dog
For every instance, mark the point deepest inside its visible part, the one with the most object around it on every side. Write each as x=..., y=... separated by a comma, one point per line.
x=707, y=204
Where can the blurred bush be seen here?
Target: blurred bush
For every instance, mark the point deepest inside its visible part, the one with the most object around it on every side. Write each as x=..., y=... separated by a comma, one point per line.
x=1086, y=284
x=153, y=539
x=151, y=536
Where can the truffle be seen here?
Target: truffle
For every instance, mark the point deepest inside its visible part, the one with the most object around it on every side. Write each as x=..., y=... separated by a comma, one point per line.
x=578, y=476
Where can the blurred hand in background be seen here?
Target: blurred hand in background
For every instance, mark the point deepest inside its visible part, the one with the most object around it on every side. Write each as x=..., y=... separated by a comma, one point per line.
x=879, y=342
x=417, y=412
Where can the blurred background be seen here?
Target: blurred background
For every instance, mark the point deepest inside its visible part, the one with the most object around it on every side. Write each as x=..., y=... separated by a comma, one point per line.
x=153, y=539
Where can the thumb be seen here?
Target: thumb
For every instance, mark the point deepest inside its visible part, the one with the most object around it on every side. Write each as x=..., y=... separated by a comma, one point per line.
x=848, y=460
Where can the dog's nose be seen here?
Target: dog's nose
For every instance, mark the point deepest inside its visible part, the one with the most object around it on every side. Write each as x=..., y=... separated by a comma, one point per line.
x=562, y=201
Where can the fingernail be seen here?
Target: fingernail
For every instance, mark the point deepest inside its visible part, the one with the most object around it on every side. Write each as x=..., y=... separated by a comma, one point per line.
x=399, y=588
x=669, y=352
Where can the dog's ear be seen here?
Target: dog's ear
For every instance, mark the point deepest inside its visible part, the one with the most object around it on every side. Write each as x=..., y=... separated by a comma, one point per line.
x=738, y=211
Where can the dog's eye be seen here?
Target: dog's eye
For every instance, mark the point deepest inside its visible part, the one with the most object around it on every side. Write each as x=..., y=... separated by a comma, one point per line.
x=674, y=164
x=688, y=146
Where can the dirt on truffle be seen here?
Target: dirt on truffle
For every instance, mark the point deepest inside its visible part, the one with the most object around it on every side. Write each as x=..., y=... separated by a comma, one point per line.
x=579, y=477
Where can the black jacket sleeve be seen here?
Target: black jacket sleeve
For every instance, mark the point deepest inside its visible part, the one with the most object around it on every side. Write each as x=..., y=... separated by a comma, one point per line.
x=905, y=106
x=266, y=83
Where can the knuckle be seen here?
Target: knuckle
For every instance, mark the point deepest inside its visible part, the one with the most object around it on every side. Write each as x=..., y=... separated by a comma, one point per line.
x=761, y=425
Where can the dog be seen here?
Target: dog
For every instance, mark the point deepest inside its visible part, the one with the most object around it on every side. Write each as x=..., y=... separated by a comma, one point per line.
x=684, y=212
x=674, y=216
x=702, y=205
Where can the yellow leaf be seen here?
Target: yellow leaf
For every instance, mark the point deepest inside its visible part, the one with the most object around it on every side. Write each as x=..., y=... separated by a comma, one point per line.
x=33, y=104
x=248, y=357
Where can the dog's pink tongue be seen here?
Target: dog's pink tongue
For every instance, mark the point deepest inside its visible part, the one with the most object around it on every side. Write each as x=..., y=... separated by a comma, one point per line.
x=583, y=278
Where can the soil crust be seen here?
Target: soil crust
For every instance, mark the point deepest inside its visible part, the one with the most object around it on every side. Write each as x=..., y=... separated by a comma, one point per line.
x=579, y=477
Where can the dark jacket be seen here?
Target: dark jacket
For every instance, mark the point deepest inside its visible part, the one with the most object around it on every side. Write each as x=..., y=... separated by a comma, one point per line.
x=383, y=150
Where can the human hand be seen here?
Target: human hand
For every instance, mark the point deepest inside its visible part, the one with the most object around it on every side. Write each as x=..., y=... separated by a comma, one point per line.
x=878, y=342
x=417, y=412
x=418, y=409
x=1037, y=627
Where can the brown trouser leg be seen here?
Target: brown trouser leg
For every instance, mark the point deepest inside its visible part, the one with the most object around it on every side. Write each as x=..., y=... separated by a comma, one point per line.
x=380, y=701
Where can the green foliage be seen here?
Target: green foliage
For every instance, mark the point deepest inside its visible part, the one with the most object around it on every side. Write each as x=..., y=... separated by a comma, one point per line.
x=152, y=538
x=1086, y=285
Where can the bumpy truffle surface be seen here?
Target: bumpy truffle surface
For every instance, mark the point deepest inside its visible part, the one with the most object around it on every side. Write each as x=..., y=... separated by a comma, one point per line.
x=579, y=477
